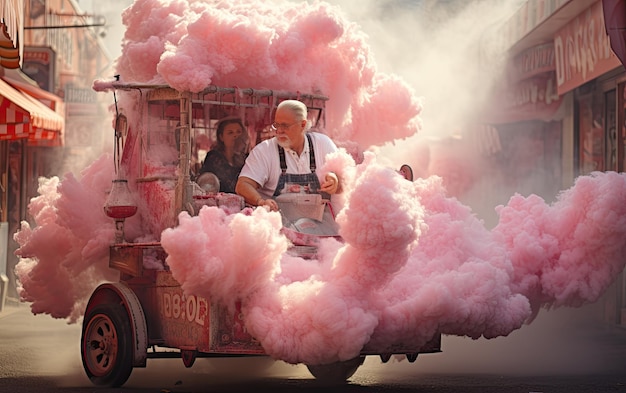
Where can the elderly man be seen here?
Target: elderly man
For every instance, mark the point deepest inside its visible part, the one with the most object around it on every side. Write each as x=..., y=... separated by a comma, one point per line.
x=286, y=161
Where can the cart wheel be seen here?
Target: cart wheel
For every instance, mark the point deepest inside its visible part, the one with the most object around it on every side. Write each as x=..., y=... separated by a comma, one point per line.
x=338, y=372
x=106, y=345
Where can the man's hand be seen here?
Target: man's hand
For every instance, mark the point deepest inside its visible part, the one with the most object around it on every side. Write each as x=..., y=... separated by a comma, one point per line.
x=330, y=184
x=249, y=190
x=269, y=203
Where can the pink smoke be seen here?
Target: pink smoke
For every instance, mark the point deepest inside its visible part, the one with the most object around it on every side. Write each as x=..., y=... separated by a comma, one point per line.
x=567, y=254
x=280, y=45
x=412, y=261
x=65, y=255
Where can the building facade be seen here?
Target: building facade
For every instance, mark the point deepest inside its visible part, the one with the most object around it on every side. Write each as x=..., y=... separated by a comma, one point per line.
x=560, y=110
x=50, y=119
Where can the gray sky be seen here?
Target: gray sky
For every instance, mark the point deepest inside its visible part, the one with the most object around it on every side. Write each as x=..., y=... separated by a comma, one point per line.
x=111, y=10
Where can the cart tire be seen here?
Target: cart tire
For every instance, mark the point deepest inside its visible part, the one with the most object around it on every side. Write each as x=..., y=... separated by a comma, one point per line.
x=105, y=345
x=336, y=373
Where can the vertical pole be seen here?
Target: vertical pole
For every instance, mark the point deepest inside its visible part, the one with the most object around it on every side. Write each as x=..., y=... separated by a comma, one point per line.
x=184, y=193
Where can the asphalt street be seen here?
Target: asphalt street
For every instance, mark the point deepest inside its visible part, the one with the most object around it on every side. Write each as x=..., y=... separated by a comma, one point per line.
x=565, y=350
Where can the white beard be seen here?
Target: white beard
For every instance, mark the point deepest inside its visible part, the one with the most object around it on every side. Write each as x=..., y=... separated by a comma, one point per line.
x=286, y=144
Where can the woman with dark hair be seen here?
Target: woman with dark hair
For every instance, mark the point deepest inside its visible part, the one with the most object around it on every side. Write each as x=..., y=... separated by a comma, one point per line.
x=228, y=153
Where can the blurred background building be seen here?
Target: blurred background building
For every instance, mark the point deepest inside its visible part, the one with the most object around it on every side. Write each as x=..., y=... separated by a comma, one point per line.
x=50, y=119
x=559, y=110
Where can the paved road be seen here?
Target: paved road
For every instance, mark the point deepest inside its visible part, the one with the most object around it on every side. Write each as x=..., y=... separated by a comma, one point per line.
x=560, y=352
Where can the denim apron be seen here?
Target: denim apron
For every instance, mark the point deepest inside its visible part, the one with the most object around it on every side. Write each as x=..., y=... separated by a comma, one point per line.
x=304, y=183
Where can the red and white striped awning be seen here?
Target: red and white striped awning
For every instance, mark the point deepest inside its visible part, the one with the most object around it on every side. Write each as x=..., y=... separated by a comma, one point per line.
x=11, y=33
x=23, y=116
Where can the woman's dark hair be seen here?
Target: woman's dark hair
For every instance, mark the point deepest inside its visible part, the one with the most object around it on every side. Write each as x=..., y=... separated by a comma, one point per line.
x=221, y=125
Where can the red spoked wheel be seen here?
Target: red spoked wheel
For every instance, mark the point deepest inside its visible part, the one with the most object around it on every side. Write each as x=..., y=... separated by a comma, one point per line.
x=106, y=345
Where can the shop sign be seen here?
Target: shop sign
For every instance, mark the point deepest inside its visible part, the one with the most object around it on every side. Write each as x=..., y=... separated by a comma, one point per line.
x=582, y=50
x=530, y=99
x=39, y=66
x=534, y=61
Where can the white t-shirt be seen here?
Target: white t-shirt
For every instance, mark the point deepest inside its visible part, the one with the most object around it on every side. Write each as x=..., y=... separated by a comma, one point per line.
x=263, y=162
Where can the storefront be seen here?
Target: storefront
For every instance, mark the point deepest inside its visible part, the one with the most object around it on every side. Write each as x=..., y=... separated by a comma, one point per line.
x=589, y=70
x=565, y=100
x=50, y=119
x=29, y=124
x=528, y=114
x=31, y=120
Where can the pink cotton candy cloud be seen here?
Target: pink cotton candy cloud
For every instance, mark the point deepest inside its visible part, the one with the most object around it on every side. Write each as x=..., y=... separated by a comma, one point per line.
x=224, y=257
x=567, y=254
x=392, y=109
x=154, y=24
x=412, y=262
x=456, y=280
x=281, y=46
x=65, y=255
x=329, y=316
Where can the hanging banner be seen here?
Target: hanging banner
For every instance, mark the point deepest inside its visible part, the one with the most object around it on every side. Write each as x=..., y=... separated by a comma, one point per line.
x=582, y=49
x=534, y=98
x=532, y=62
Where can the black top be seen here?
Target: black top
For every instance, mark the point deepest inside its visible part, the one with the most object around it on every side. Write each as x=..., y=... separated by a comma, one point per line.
x=216, y=163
